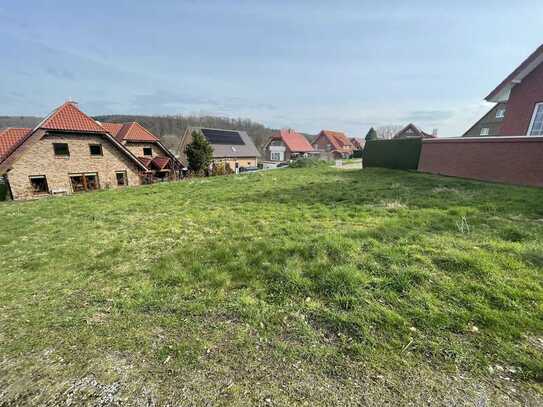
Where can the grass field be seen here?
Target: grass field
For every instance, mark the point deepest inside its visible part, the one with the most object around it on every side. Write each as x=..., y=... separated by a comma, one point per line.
x=308, y=286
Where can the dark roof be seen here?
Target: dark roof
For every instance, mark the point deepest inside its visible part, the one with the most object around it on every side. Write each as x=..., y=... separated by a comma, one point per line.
x=501, y=92
x=226, y=143
x=414, y=130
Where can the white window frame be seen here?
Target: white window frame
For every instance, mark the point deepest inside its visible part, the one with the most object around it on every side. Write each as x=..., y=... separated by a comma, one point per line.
x=275, y=156
x=500, y=113
x=483, y=132
x=534, y=114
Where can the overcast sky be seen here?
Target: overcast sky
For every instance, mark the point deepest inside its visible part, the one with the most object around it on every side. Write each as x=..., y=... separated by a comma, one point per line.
x=342, y=65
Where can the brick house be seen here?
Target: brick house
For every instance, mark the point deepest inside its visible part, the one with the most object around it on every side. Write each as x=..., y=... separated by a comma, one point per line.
x=333, y=145
x=286, y=145
x=412, y=131
x=518, y=99
x=232, y=147
x=160, y=162
x=66, y=152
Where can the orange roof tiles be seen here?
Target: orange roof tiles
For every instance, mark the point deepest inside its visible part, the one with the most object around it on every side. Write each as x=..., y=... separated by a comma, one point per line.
x=10, y=137
x=68, y=117
x=294, y=141
x=338, y=139
x=131, y=132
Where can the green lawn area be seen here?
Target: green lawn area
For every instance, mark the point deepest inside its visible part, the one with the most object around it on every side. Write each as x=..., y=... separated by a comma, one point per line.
x=311, y=286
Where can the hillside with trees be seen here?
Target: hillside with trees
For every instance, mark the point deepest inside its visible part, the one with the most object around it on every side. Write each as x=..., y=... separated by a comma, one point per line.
x=168, y=128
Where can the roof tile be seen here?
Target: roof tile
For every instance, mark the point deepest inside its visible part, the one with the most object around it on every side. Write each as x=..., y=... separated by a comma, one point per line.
x=10, y=137
x=68, y=117
x=294, y=141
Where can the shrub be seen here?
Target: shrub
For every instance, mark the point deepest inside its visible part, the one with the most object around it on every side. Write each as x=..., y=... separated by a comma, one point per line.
x=199, y=152
x=222, y=168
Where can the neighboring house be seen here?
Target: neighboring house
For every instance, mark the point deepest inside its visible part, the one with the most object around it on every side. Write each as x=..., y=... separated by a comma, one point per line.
x=230, y=146
x=519, y=102
x=358, y=143
x=160, y=162
x=286, y=145
x=66, y=152
x=412, y=131
x=490, y=124
x=333, y=145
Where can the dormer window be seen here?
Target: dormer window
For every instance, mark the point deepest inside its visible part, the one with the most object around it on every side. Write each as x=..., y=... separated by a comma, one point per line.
x=500, y=113
x=536, y=125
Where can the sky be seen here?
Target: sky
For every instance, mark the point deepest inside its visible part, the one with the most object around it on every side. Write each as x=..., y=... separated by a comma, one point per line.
x=308, y=65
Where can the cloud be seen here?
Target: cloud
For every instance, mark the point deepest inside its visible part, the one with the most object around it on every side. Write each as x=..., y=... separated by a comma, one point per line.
x=431, y=116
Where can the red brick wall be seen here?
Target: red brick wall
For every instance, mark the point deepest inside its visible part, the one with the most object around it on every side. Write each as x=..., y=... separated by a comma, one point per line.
x=517, y=160
x=520, y=106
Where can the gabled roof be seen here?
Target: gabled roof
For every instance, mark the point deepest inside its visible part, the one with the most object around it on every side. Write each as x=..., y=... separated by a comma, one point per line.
x=243, y=148
x=132, y=132
x=357, y=142
x=415, y=131
x=160, y=162
x=338, y=139
x=68, y=117
x=10, y=137
x=294, y=141
x=503, y=90
x=145, y=161
x=113, y=128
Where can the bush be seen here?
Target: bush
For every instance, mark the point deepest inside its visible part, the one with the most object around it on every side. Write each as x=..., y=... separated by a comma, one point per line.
x=307, y=162
x=357, y=154
x=401, y=154
x=222, y=168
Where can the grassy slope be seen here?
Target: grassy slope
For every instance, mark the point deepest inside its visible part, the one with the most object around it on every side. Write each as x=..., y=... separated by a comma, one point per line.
x=296, y=285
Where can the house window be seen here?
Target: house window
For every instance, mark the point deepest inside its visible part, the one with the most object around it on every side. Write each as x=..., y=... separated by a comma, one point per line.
x=500, y=113
x=84, y=182
x=95, y=149
x=536, y=126
x=61, y=149
x=147, y=151
x=122, y=179
x=485, y=131
x=39, y=184
x=275, y=156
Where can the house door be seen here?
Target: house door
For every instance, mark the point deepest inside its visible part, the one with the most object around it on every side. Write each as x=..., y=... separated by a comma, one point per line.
x=84, y=182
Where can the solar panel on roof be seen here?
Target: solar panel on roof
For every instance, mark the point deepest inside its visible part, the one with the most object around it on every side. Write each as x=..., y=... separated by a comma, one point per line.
x=223, y=137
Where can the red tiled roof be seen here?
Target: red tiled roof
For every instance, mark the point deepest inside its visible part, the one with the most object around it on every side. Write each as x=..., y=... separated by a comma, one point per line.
x=294, y=141
x=145, y=161
x=160, y=162
x=68, y=117
x=338, y=139
x=10, y=137
x=132, y=132
x=112, y=128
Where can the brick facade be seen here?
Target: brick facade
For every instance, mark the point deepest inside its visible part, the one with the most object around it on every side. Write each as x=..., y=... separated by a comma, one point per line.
x=521, y=103
x=513, y=160
x=136, y=148
x=38, y=159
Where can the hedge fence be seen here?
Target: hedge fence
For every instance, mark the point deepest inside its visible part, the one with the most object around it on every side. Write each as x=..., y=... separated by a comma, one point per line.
x=400, y=154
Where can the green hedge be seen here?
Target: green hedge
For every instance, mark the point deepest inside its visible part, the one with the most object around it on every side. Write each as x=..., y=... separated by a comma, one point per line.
x=3, y=191
x=401, y=154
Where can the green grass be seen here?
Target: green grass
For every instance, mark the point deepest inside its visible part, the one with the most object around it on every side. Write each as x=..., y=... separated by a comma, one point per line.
x=315, y=285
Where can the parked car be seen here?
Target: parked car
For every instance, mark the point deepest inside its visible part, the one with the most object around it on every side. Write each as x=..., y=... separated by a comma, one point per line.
x=248, y=169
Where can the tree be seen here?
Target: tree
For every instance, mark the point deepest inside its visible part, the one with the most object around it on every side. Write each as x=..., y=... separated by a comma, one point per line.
x=372, y=135
x=199, y=152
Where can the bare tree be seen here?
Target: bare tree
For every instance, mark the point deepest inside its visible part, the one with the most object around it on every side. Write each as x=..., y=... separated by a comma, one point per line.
x=388, y=131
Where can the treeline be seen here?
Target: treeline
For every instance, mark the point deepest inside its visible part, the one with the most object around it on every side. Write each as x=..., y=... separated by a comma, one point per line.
x=168, y=128
x=171, y=128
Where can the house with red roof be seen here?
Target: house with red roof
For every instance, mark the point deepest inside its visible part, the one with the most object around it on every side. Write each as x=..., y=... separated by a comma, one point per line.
x=333, y=145
x=518, y=103
x=287, y=144
x=66, y=152
x=160, y=162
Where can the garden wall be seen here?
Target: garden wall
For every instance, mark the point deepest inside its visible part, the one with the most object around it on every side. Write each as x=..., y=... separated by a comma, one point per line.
x=513, y=160
x=400, y=154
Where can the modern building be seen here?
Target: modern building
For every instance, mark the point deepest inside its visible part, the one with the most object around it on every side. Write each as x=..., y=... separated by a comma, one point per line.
x=518, y=109
x=286, y=145
x=232, y=147
x=333, y=145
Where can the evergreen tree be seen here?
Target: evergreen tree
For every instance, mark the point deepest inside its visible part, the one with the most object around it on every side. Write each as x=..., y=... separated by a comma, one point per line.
x=199, y=152
x=372, y=135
